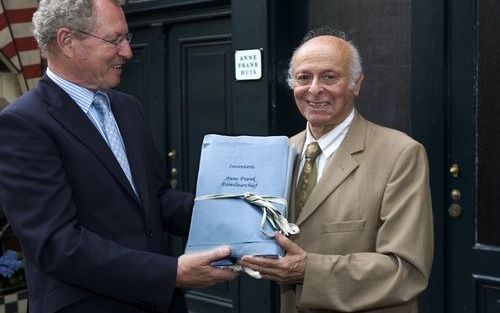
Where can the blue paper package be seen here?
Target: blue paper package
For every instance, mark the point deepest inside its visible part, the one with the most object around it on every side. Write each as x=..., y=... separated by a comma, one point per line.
x=232, y=169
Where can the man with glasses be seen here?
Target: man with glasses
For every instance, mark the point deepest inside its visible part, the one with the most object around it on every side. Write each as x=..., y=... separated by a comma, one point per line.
x=362, y=200
x=82, y=184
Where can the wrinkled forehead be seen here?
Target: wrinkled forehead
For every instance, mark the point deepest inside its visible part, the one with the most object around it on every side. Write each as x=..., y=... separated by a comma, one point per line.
x=321, y=51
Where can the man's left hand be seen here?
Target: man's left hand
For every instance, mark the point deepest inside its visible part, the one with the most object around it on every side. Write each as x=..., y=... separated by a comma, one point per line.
x=286, y=270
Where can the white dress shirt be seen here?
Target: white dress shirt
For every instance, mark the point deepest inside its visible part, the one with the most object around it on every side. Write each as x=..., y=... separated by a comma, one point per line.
x=328, y=143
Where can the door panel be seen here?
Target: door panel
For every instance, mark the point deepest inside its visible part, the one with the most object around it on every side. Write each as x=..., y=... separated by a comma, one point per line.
x=144, y=77
x=199, y=102
x=184, y=100
x=473, y=245
x=182, y=71
x=488, y=134
x=200, y=97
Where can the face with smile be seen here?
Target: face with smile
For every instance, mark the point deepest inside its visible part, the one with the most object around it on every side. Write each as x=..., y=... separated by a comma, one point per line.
x=96, y=63
x=321, y=74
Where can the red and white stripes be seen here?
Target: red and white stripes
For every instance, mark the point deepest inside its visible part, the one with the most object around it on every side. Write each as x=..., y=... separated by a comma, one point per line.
x=18, y=48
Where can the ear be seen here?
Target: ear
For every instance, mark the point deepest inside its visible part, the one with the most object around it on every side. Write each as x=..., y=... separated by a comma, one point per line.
x=65, y=40
x=357, y=87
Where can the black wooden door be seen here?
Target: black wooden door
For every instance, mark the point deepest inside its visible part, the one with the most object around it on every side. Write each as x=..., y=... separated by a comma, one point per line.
x=199, y=78
x=144, y=77
x=472, y=247
x=199, y=102
x=183, y=72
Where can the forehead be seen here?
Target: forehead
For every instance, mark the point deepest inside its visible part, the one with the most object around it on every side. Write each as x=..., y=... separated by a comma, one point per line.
x=108, y=13
x=324, y=53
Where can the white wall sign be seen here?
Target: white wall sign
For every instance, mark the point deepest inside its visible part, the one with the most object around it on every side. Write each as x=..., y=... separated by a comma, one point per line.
x=248, y=64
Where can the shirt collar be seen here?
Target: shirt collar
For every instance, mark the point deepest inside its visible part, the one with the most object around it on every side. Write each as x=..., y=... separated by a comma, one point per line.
x=81, y=95
x=330, y=141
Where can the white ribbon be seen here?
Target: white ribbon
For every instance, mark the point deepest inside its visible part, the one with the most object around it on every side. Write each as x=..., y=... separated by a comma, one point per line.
x=250, y=272
x=269, y=212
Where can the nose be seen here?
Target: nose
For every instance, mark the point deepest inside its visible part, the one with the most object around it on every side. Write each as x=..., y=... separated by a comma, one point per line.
x=125, y=50
x=316, y=86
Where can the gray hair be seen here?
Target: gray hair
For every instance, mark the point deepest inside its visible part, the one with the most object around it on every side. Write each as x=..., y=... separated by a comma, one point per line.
x=52, y=15
x=356, y=69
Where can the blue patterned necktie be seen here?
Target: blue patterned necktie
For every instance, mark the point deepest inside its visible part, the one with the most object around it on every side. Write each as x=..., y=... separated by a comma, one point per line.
x=110, y=129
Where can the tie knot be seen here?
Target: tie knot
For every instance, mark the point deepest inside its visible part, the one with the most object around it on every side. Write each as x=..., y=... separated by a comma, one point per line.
x=312, y=151
x=101, y=103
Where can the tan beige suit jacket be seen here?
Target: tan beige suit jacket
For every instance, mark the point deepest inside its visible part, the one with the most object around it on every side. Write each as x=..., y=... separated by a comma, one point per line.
x=367, y=226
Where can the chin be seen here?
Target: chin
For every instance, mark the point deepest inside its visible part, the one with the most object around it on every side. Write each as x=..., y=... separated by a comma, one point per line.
x=113, y=84
x=320, y=117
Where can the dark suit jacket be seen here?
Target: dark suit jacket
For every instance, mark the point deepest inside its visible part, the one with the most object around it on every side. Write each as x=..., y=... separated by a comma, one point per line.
x=90, y=244
x=366, y=227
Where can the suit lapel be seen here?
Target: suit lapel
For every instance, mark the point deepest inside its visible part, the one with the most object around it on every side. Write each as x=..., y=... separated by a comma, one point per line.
x=63, y=109
x=298, y=142
x=128, y=129
x=339, y=167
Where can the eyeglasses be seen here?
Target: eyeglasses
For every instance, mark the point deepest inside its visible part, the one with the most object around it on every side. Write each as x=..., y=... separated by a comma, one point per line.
x=116, y=42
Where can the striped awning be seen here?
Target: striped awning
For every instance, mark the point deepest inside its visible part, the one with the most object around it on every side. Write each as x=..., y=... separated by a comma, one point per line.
x=18, y=48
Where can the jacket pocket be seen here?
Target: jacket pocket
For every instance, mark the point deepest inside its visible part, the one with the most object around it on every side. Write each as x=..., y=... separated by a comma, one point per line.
x=344, y=227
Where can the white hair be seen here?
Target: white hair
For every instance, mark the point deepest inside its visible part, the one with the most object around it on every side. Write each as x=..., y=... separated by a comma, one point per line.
x=51, y=15
x=356, y=68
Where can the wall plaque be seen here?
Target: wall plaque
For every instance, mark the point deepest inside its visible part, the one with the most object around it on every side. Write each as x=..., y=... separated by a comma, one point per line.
x=248, y=64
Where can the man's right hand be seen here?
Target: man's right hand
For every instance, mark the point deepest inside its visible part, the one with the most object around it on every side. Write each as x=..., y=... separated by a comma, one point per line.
x=194, y=270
